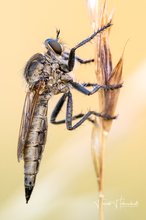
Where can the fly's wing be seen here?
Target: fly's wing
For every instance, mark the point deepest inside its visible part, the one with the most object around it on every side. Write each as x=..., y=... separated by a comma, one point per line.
x=31, y=73
x=27, y=116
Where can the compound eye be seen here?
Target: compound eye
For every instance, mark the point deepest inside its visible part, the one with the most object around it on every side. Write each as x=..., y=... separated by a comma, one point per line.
x=56, y=47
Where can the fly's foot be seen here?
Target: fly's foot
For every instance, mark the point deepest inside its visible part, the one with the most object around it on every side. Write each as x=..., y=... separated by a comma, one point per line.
x=108, y=117
x=112, y=87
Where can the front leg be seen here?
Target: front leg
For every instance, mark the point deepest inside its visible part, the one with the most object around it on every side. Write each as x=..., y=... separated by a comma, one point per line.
x=78, y=59
x=71, y=60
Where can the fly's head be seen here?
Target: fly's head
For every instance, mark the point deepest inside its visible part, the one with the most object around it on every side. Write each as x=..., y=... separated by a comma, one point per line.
x=56, y=51
x=53, y=45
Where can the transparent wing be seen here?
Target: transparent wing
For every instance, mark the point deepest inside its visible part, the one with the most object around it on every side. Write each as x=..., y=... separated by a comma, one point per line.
x=27, y=116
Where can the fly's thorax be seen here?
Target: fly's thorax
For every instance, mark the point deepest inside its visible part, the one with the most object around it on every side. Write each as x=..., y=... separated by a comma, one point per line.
x=34, y=68
x=58, y=75
x=35, y=73
x=59, y=83
x=55, y=66
x=52, y=69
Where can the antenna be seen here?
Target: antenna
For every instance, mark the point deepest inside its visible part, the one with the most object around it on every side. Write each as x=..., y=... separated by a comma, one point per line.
x=57, y=33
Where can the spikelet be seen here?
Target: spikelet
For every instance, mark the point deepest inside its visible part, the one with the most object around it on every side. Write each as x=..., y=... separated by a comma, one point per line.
x=106, y=75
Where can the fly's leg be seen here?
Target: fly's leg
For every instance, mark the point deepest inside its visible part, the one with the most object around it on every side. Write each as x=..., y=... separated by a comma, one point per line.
x=60, y=103
x=81, y=87
x=89, y=84
x=80, y=60
x=71, y=59
x=85, y=116
x=70, y=118
x=58, y=108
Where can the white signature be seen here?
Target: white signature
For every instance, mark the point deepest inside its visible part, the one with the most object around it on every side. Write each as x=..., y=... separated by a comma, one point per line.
x=119, y=203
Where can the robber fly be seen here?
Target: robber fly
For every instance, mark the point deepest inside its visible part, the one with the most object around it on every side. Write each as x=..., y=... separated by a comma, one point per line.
x=47, y=75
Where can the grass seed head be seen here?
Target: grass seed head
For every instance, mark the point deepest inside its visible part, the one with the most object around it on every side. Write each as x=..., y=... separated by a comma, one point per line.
x=105, y=73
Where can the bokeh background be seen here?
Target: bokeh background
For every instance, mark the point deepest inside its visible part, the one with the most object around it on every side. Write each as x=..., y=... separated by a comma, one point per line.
x=66, y=184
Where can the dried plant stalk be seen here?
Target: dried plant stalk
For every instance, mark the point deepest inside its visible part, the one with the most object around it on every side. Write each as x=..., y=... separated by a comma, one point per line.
x=105, y=75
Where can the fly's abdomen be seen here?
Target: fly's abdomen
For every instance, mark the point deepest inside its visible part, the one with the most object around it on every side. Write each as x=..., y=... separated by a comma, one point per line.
x=35, y=143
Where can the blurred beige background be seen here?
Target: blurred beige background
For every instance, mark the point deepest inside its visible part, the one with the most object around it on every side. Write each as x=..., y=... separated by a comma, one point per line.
x=66, y=184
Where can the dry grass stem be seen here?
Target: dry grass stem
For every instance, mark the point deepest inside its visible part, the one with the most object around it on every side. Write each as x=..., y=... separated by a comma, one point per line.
x=106, y=75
